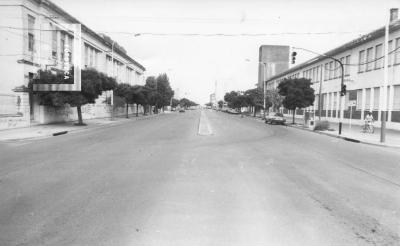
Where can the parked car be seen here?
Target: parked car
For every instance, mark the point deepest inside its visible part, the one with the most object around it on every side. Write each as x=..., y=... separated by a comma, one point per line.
x=181, y=110
x=276, y=118
x=232, y=111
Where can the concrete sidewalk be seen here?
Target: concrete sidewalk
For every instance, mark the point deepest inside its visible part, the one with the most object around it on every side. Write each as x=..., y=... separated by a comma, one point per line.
x=354, y=133
x=49, y=130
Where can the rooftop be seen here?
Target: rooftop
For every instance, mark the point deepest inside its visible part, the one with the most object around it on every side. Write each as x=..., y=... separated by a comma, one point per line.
x=349, y=45
x=62, y=12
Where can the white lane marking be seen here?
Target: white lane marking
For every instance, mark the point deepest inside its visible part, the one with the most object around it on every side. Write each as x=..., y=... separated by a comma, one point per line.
x=204, y=125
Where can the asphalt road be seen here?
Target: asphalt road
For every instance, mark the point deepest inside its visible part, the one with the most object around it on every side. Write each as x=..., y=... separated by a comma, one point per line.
x=158, y=182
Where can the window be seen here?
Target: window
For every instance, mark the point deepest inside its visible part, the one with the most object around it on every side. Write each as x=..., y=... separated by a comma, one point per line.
x=376, y=98
x=335, y=100
x=378, y=56
x=91, y=57
x=370, y=58
x=31, y=42
x=390, y=47
x=314, y=77
x=324, y=102
x=342, y=60
x=331, y=70
x=53, y=41
x=71, y=47
x=336, y=70
x=31, y=34
x=326, y=71
x=367, y=99
x=359, y=100
x=396, y=99
x=86, y=56
x=347, y=66
x=361, y=61
x=397, y=52
x=62, y=44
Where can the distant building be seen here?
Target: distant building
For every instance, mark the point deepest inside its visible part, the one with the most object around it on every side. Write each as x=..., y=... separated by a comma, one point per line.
x=363, y=72
x=213, y=100
x=33, y=36
x=273, y=59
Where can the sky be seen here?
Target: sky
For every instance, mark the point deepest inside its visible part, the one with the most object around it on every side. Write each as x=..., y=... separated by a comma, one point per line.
x=195, y=64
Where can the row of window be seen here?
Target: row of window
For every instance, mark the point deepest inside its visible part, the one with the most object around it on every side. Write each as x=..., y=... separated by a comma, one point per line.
x=333, y=70
x=373, y=57
x=313, y=74
x=372, y=99
x=61, y=44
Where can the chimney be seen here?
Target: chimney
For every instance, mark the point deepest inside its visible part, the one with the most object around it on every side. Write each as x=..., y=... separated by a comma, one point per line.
x=394, y=14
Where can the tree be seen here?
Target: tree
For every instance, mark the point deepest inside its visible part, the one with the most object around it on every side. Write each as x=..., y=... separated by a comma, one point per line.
x=297, y=93
x=164, y=90
x=186, y=103
x=159, y=91
x=235, y=100
x=255, y=99
x=152, y=96
x=220, y=104
x=273, y=99
x=230, y=98
x=126, y=92
x=175, y=102
x=137, y=97
x=93, y=83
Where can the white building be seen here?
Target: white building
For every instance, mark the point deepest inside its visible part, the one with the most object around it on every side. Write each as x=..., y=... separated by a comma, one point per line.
x=363, y=70
x=32, y=37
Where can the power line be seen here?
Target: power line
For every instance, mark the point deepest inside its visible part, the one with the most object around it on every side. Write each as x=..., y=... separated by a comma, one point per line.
x=347, y=64
x=137, y=34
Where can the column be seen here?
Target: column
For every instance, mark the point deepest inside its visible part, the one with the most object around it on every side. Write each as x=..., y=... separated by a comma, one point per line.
x=391, y=101
x=331, y=103
x=363, y=101
x=372, y=99
x=337, y=105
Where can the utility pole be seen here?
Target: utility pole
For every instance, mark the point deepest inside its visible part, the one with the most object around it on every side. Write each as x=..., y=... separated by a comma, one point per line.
x=342, y=94
x=264, y=88
x=385, y=76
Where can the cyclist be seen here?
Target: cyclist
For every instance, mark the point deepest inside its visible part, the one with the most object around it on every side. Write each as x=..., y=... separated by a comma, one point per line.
x=369, y=122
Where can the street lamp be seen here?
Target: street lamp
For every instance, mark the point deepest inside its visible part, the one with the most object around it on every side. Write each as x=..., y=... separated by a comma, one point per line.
x=264, y=84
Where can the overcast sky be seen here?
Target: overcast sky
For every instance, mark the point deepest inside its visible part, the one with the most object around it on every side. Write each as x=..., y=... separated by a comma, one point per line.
x=195, y=63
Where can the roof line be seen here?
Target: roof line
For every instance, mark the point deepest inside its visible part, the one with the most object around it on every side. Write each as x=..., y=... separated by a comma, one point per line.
x=349, y=45
x=58, y=9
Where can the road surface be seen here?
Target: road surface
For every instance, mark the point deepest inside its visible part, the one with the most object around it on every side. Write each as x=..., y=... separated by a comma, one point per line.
x=159, y=182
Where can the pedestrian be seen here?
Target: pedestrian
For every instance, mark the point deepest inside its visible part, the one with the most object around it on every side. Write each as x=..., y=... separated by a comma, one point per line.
x=369, y=123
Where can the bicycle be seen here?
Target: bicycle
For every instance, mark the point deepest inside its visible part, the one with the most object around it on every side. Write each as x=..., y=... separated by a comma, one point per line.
x=368, y=127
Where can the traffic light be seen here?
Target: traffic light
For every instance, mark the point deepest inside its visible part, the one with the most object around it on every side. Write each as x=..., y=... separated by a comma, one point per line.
x=294, y=53
x=343, y=90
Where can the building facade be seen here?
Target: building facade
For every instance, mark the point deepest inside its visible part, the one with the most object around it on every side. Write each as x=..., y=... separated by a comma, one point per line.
x=363, y=60
x=272, y=60
x=33, y=36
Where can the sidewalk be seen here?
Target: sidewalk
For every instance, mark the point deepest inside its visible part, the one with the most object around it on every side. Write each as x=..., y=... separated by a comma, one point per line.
x=392, y=136
x=354, y=133
x=49, y=130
